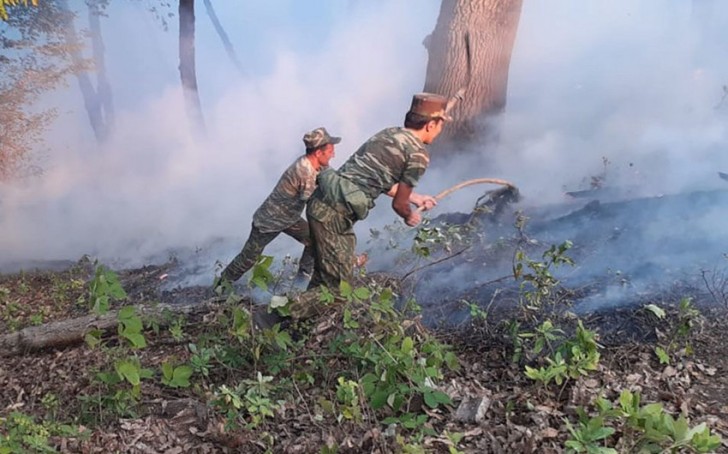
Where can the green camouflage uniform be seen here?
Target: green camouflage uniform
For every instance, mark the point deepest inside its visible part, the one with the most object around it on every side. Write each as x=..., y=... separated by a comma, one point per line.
x=281, y=212
x=394, y=155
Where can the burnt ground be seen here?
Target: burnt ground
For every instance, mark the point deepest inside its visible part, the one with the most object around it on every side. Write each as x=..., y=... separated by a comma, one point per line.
x=519, y=415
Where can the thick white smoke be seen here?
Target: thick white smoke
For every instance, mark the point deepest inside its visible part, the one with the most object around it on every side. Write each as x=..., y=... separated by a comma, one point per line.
x=637, y=83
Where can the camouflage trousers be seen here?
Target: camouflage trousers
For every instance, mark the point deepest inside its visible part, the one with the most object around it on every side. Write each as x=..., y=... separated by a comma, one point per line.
x=334, y=244
x=257, y=241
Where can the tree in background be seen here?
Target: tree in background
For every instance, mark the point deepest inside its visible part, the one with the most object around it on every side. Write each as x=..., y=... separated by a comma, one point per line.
x=34, y=58
x=187, y=70
x=471, y=48
x=97, y=100
x=224, y=37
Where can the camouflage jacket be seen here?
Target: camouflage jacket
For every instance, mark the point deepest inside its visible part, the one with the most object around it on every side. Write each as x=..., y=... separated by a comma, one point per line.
x=284, y=205
x=393, y=155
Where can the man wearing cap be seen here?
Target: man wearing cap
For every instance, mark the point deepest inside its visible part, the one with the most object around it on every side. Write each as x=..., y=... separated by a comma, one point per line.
x=391, y=162
x=281, y=211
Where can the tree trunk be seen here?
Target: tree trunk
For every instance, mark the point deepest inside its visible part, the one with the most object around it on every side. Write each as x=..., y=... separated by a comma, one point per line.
x=223, y=37
x=103, y=88
x=187, y=70
x=69, y=332
x=471, y=48
x=90, y=98
x=93, y=100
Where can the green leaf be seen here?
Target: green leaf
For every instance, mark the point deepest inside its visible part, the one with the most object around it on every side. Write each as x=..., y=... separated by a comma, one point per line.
x=441, y=397
x=657, y=310
x=362, y=293
x=133, y=325
x=137, y=340
x=601, y=433
x=93, y=338
x=662, y=355
x=345, y=289
x=167, y=371
x=129, y=371
x=379, y=399
x=181, y=377
x=407, y=345
x=430, y=399
x=126, y=312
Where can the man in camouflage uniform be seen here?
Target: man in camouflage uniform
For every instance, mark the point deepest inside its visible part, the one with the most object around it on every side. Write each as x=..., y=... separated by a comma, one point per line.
x=281, y=211
x=391, y=162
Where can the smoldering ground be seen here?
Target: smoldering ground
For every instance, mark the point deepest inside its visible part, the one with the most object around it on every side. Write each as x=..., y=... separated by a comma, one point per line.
x=646, y=101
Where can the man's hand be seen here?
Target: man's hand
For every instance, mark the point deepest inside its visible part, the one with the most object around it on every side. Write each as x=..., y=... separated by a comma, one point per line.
x=413, y=219
x=424, y=202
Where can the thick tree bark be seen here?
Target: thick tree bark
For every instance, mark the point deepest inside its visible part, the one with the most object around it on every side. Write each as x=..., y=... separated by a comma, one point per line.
x=69, y=332
x=471, y=48
x=223, y=37
x=187, y=70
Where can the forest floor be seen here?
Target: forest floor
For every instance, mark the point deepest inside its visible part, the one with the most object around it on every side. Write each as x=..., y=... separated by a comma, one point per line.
x=54, y=400
x=502, y=357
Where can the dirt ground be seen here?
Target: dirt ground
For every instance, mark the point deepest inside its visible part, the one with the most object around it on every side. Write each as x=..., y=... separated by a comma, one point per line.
x=516, y=414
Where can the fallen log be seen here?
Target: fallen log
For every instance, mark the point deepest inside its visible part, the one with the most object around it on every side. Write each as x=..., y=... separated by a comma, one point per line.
x=67, y=332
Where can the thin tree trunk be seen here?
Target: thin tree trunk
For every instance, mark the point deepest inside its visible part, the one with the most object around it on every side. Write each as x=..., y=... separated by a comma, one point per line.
x=90, y=98
x=103, y=88
x=187, y=70
x=223, y=37
x=471, y=48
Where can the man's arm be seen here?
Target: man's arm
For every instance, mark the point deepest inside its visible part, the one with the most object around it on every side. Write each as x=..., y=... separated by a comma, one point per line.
x=427, y=202
x=401, y=204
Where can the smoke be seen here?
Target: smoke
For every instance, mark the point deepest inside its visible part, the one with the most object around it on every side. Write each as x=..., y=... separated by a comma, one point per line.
x=629, y=90
x=153, y=190
x=637, y=83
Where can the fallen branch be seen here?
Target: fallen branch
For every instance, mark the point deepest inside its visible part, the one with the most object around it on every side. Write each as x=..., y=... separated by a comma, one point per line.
x=72, y=331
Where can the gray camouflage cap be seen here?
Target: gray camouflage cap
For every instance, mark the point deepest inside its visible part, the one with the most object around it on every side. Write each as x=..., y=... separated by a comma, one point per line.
x=318, y=138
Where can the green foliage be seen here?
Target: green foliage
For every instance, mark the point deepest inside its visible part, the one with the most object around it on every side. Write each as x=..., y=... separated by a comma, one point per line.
x=130, y=327
x=575, y=357
x=476, y=313
x=589, y=435
x=394, y=365
x=176, y=329
x=427, y=239
x=545, y=335
x=262, y=276
x=678, y=338
x=347, y=395
x=176, y=376
x=454, y=438
x=251, y=398
x=201, y=359
x=643, y=428
x=537, y=282
x=556, y=370
x=662, y=355
x=103, y=288
x=20, y=434
x=119, y=390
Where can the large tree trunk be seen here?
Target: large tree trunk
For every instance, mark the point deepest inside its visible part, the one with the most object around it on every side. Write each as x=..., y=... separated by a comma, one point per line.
x=187, y=69
x=471, y=48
